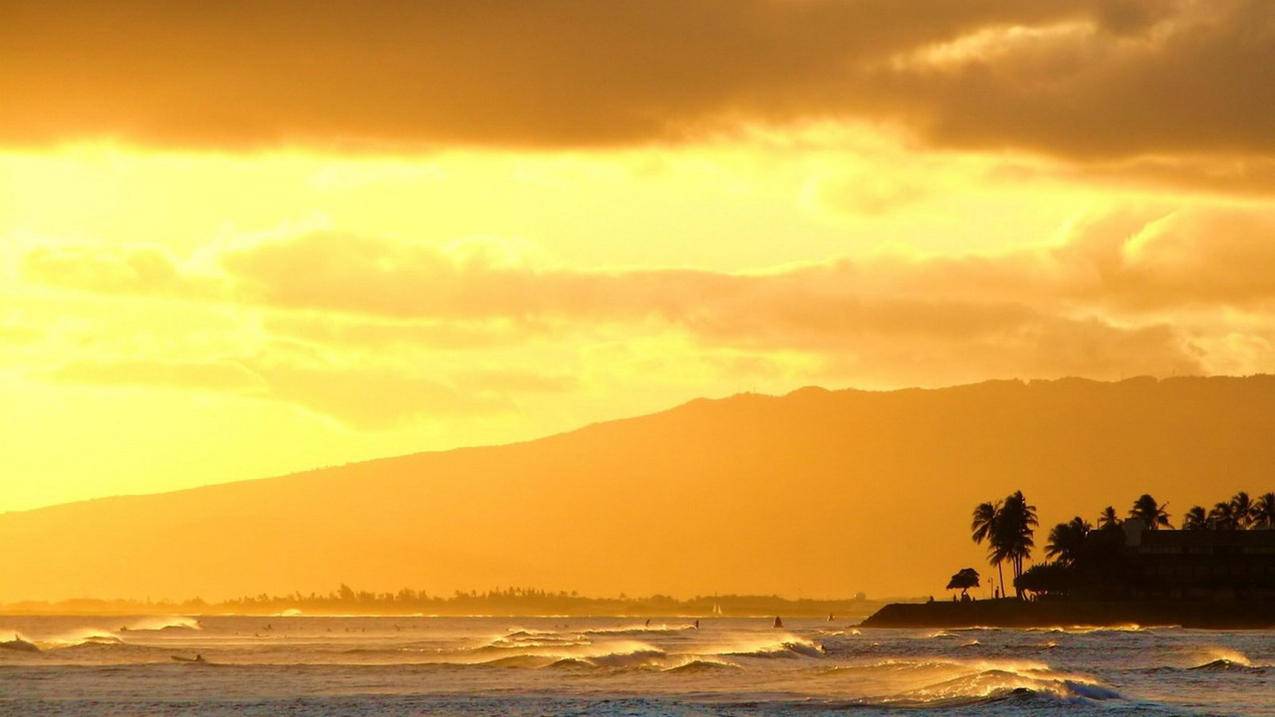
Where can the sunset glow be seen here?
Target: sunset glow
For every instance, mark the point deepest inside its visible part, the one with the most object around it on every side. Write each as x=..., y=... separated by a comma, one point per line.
x=198, y=289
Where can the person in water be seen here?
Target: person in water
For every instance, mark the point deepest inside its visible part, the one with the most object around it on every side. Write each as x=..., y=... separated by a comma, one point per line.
x=778, y=622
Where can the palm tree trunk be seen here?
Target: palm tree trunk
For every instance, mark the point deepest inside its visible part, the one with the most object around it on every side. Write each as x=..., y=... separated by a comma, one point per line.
x=1001, y=569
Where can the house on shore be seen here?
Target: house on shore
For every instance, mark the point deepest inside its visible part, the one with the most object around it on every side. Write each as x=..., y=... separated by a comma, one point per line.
x=1200, y=564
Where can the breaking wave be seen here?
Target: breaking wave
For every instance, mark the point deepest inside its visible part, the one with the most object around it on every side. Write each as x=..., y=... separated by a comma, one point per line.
x=702, y=664
x=81, y=636
x=637, y=629
x=786, y=646
x=158, y=624
x=1220, y=659
x=988, y=681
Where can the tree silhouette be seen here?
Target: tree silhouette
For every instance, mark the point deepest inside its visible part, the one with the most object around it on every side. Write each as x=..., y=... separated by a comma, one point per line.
x=1008, y=527
x=1152, y=514
x=963, y=580
x=1223, y=516
x=983, y=527
x=1264, y=512
x=1018, y=525
x=1195, y=519
x=1067, y=541
x=1108, y=519
x=1242, y=507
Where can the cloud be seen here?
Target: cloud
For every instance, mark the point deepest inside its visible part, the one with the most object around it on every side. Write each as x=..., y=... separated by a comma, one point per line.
x=1112, y=298
x=216, y=376
x=1125, y=262
x=363, y=396
x=136, y=269
x=344, y=325
x=1083, y=79
x=390, y=334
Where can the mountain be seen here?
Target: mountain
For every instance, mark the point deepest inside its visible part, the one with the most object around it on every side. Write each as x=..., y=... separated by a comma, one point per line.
x=815, y=493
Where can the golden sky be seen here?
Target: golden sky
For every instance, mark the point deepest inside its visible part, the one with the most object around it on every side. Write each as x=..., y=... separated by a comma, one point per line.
x=240, y=239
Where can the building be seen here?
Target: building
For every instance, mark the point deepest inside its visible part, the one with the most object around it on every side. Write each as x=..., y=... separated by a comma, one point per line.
x=1200, y=564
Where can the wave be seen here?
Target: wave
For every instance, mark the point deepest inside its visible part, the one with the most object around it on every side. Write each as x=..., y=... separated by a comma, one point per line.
x=81, y=636
x=538, y=651
x=162, y=624
x=1221, y=659
x=1131, y=627
x=649, y=659
x=787, y=646
x=19, y=644
x=523, y=661
x=637, y=658
x=524, y=639
x=637, y=629
x=701, y=664
x=1003, y=682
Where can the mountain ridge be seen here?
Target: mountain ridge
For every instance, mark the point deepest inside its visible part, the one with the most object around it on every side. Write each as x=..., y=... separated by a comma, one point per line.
x=812, y=492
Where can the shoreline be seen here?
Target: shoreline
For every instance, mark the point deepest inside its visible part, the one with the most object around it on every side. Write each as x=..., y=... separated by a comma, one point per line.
x=1010, y=612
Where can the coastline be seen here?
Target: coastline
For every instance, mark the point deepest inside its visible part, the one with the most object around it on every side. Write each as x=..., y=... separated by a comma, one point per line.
x=1009, y=612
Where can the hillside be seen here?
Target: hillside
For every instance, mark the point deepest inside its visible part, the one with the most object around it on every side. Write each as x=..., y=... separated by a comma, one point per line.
x=816, y=493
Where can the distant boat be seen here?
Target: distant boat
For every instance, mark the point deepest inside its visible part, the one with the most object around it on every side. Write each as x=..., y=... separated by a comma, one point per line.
x=778, y=622
x=17, y=643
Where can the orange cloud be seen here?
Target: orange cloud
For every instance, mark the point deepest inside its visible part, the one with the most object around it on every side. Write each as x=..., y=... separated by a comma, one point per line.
x=364, y=397
x=140, y=269
x=1083, y=79
x=1132, y=292
x=221, y=376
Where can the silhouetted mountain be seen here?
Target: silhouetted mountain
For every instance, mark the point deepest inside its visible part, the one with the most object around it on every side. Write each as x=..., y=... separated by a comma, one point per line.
x=814, y=493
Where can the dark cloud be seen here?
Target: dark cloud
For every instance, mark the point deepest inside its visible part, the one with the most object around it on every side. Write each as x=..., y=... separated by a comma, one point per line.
x=1090, y=79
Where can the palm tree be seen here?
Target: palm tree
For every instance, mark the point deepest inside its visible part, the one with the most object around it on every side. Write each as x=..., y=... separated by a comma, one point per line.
x=1108, y=519
x=983, y=527
x=1152, y=514
x=1242, y=506
x=1067, y=540
x=1195, y=519
x=1264, y=512
x=1223, y=517
x=1015, y=530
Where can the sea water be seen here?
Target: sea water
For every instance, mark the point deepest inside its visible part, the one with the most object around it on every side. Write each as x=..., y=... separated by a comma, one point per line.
x=299, y=665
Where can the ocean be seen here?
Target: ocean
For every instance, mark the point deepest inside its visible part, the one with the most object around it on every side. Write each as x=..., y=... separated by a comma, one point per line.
x=301, y=665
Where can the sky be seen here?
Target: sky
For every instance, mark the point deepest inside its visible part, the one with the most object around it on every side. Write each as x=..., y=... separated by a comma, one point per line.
x=244, y=239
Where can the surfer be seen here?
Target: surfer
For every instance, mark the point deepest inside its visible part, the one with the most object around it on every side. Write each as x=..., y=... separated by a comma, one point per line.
x=697, y=624
x=648, y=623
x=778, y=622
x=17, y=643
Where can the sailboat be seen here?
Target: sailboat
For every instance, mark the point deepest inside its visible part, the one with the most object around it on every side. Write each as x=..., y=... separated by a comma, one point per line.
x=717, y=609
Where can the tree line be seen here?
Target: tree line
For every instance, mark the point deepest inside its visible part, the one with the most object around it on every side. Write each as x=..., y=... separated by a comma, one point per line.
x=1008, y=527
